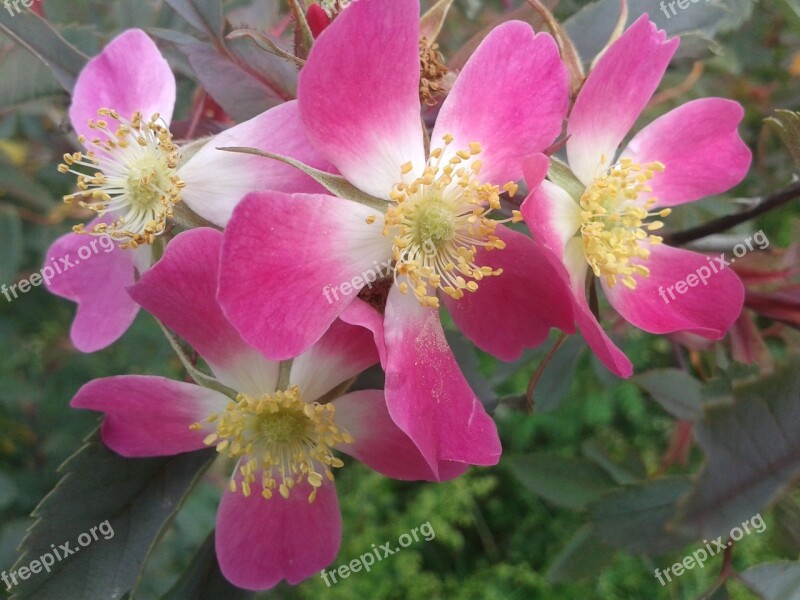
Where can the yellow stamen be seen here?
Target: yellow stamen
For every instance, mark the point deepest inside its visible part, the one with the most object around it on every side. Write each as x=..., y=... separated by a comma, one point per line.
x=280, y=439
x=439, y=220
x=613, y=227
x=132, y=171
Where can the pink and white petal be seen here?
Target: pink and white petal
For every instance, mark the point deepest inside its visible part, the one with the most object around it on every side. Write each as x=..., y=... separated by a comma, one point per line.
x=365, y=315
x=534, y=169
x=341, y=354
x=180, y=291
x=700, y=146
x=554, y=218
x=360, y=101
x=609, y=354
x=515, y=310
x=285, y=260
x=426, y=393
x=511, y=97
x=150, y=416
x=552, y=215
x=379, y=443
x=217, y=180
x=707, y=310
x=261, y=542
x=97, y=284
x=614, y=95
x=129, y=75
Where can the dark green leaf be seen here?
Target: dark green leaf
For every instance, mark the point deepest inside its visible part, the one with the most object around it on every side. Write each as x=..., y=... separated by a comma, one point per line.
x=591, y=27
x=774, y=581
x=11, y=247
x=787, y=125
x=237, y=91
x=464, y=353
x=676, y=391
x=629, y=471
x=25, y=78
x=785, y=536
x=584, y=557
x=40, y=38
x=558, y=375
x=204, y=15
x=566, y=482
x=753, y=454
x=8, y=491
x=635, y=518
x=138, y=497
x=203, y=580
x=23, y=188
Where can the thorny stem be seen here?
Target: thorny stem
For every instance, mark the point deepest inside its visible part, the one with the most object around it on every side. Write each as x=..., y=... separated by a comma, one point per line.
x=767, y=204
x=538, y=374
x=725, y=573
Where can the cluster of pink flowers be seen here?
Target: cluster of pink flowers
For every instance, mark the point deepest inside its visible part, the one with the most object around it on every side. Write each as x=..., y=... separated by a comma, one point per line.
x=248, y=294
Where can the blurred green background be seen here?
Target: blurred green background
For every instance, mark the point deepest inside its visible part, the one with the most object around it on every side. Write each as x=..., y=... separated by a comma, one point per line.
x=498, y=534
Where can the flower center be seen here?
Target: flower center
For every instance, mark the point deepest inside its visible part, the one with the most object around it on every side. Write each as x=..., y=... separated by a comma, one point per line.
x=131, y=173
x=283, y=440
x=438, y=222
x=613, y=226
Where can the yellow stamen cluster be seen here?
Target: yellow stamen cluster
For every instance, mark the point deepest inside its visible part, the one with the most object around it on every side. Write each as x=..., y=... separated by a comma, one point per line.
x=432, y=72
x=282, y=439
x=613, y=226
x=132, y=170
x=439, y=220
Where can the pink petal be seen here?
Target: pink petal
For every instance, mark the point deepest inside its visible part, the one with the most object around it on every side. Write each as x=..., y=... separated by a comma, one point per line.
x=96, y=283
x=699, y=145
x=342, y=353
x=180, y=291
x=707, y=309
x=609, y=354
x=365, y=315
x=260, y=542
x=614, y=95
x=534, y=168
x=150, y=416
x=287, y=261
x=217, y=180
x=511, y=97
x=129, y=75
x=552, y=215
x=379, y=443
x=426, y=393
x=360, y=101
x=516, y=309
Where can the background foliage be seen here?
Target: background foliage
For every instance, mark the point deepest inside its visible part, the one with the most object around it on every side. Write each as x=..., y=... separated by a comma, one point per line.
x=599, y=486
